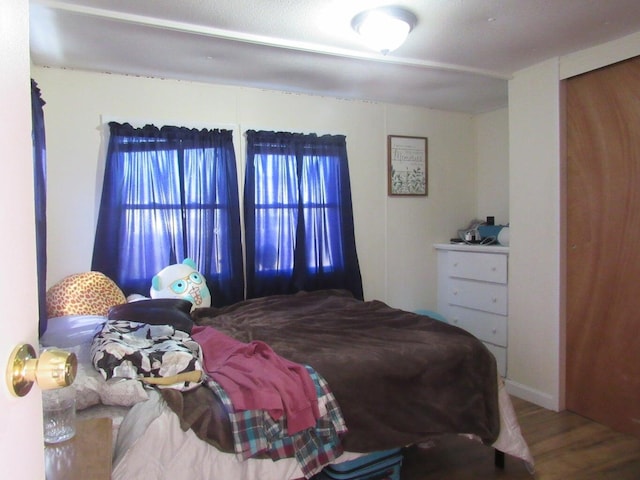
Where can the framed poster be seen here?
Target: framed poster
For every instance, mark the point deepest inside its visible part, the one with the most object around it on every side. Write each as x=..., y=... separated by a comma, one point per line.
x=407, y=158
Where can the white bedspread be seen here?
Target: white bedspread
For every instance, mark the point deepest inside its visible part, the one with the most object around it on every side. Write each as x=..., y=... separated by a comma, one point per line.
x=510, y=440
x=152, y=446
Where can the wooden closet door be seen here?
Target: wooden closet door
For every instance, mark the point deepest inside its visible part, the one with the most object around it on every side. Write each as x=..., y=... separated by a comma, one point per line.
x=603, y=251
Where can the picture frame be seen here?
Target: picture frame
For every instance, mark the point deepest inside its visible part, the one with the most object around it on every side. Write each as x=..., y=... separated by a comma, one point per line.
x=407, y=166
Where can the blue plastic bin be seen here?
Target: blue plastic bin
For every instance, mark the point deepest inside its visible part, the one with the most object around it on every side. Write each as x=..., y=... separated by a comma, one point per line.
x=432, y=314
x=383, y=465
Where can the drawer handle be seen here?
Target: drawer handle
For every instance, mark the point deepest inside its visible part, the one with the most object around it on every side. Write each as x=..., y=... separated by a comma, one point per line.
x=493, y=269
x=455, y=292
x=455, y=264
x=494, y=300
x=495, y=330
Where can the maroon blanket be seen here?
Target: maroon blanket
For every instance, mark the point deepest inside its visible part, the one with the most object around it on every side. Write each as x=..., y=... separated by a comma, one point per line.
x=399, y=377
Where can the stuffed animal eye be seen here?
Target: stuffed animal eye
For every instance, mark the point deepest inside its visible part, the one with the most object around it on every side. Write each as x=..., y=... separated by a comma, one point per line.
x=179, y=286
x=195, y=277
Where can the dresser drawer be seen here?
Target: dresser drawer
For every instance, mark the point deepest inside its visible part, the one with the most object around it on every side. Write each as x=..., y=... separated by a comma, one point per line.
x=487, y=267
x=488, y=297
x=488, y=327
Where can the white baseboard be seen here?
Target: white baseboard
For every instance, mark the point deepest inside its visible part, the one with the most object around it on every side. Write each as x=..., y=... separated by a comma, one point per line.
x=532, y=395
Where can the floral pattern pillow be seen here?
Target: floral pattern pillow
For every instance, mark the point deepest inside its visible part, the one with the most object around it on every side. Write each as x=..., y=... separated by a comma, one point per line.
x=125, y=349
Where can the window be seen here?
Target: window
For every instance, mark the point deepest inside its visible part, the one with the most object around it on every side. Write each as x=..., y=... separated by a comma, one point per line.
x=298, y=215
x=170, y=193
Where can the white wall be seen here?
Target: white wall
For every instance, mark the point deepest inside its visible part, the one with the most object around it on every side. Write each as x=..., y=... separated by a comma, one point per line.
x=534, y=277
x=394, y=236
x=414, y=224
x=536, y=165
x=492, y=157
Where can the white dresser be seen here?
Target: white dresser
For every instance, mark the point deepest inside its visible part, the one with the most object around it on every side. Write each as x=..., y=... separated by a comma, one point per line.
x=473, y=293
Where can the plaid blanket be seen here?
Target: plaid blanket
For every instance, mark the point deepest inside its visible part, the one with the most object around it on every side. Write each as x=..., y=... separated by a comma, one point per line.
x=256, y=433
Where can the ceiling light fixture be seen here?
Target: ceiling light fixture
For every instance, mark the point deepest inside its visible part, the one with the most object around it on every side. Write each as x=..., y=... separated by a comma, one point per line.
x=384, y=28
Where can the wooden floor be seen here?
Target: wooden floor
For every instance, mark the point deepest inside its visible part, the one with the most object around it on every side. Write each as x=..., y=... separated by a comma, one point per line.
x=565, y=446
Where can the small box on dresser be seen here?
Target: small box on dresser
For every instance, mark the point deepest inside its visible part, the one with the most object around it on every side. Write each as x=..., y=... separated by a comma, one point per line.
x=473, y=293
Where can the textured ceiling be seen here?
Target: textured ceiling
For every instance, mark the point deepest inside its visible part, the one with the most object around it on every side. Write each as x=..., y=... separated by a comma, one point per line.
x=459, y=57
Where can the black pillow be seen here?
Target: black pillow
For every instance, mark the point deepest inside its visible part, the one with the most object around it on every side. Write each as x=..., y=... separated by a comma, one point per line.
x=156, y=311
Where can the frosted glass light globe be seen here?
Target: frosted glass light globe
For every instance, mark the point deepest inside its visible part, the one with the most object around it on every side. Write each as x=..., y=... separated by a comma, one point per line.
x=385, y=28
x=383, y=32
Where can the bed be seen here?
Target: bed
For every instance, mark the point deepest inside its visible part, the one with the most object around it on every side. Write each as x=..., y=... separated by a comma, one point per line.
x=399, y=379
x=398, y=376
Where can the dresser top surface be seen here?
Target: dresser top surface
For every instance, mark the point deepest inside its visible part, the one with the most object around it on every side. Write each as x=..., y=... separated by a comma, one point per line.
x=464, y=247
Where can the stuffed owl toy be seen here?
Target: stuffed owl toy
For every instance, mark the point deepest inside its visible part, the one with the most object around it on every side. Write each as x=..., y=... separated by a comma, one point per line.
x=181, y=280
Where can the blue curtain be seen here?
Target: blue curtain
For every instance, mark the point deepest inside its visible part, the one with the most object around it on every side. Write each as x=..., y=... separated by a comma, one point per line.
x=298, y=215
x=40, y=184
x=170, y=193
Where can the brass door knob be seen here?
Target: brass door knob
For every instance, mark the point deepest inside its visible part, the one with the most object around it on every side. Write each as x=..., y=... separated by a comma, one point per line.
x=54, y=369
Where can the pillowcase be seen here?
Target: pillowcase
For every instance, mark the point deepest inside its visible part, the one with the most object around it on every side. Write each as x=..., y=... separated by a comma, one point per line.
x=72, y=330
x=89, y=293
x=158, y=311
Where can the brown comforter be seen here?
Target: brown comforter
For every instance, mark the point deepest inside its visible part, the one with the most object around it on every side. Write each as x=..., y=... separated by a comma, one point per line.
x=399, y=377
